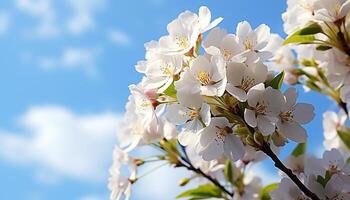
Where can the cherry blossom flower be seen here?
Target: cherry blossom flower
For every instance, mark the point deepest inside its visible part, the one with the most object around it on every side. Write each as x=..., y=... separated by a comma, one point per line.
x=332, y=122
x=219, y=42
x=251, y=188
x=185, y=30
x=264, y=107
x=298, y=14
x=119, y=184
x=254, y=40
x=296, y=164
x=194, y=118
x=242, y=77
x=287, y=190
x=217, y=139
x=206, y=77
x=292, y=115
x=160, y=72
x=331, y=11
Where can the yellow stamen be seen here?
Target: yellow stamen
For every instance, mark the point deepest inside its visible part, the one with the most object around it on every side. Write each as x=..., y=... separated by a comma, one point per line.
x=182, y=42
x=203, y=78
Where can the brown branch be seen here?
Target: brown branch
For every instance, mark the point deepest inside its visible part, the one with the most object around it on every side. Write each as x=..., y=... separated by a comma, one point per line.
x=265, y=147
x=187, y=164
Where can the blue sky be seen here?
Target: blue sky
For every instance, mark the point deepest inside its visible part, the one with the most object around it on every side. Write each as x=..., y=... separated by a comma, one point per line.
x=65, y=67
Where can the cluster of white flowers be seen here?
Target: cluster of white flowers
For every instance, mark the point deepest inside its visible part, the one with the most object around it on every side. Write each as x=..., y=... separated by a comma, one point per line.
x=318, y=60
x=211, y=101
x=328, y=178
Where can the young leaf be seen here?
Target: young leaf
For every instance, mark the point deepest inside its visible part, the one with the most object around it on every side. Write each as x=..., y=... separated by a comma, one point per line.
x=171, y=91
x=300, y=149
x=276, y=83
x=323, y=48
x=302, y=39
x=311, y=29
x=228, y=171
x=304, y=35
x=202, y=192
x=265, y=192
x=345, y=137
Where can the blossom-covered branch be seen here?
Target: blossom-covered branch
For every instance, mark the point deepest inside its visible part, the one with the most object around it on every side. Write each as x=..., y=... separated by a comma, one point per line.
x=211, y=102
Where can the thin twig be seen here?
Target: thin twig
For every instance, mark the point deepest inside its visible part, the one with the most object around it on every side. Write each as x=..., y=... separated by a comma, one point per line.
x=187, y=164
x=265, y=147
x=190, y=167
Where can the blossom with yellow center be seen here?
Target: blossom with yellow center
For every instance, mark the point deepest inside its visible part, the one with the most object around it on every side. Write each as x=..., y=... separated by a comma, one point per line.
x=286, y=116
x=182, y=42
x=193, y=114
x=261, y=108
x=247, y=83
x=248, y=44
x=226, y=54
x=167, y=71
x=204, y=77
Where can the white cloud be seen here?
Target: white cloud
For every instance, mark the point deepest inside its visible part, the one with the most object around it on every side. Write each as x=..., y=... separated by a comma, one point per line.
x=119, y=37
x=4, y=21
x=83, y=17
x=60, y=143
x=42, y=10
x=73, y=59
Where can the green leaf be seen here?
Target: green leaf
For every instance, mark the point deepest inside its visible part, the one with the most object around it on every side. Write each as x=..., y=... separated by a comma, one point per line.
x=276, y=83
x=323, y=48
x=171, y=91
x=228, y=171
x=311, y=29
x=304, y=35
x=265, y=192
x=202, y=192
x=345, y=137
x=300, y=149
x=324, y=180
x=348, y=160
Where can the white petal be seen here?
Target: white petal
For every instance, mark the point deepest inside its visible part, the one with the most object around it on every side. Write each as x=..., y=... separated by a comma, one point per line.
x=265, y=125
x=333, y=157
x=235, y=73
x=233, y=147
x=177, y=114
x=274, y=99
x=255, y=93
x=291, y=95
x=243, y=29
x=187, y=138
x=238, y=93
x=205, y=114
x=250, y=118
x=204, y=16
x=169, y=130
x=211, y=152
x=303, y=113
x=293, y=131
x=263, y=36
x=345, y=9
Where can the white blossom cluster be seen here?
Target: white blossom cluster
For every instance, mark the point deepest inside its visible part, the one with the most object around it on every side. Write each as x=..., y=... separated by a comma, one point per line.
x=328, y=177
x=211, y=102
x=317, y=59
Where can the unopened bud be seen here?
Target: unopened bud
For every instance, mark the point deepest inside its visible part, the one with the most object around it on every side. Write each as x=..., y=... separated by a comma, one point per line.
x=250, y=141
x=278, y=139
x=132, y=180
x=139, y=162
x=184, y=181
x=241, y=131
x=258, y=138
